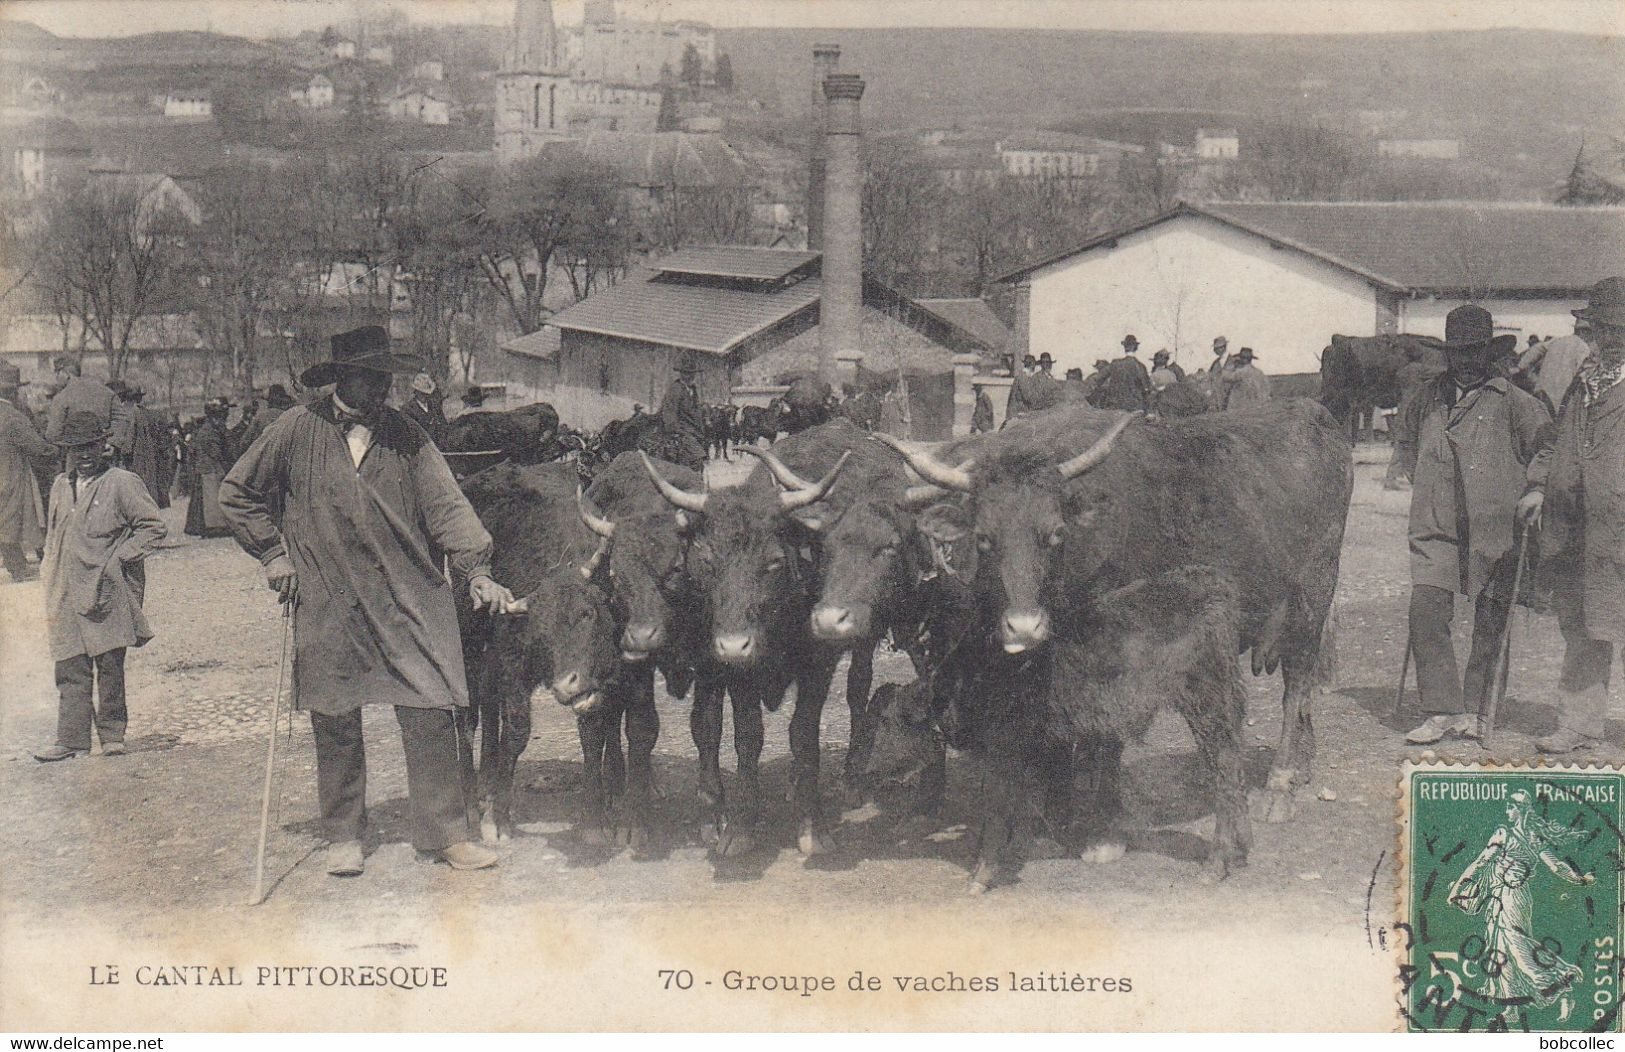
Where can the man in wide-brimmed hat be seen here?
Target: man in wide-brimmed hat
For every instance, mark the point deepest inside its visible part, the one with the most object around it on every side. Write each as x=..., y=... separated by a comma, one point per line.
x=1244, y=384
x=1577, y=488
x=1035, y=389
x=348, y=507
x=23, y=453
x=1475, y=435
x=149, y=453
x=103, y=525
x=682, y=421
x=1124, y=384
x=210, y=452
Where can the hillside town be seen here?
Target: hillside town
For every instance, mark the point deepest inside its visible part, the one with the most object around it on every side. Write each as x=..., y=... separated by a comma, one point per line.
x=1020, y=482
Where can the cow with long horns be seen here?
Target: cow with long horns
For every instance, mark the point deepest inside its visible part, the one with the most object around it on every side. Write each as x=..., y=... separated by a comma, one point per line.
x=1261, y=495
x=748, y=556
x=565, y=643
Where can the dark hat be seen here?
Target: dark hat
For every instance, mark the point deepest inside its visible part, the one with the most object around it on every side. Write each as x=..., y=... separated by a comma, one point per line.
x=118, y=387
x=1074, y=373
x=82, y=427
x=1131, y=340
x=1028, y=359
x=1246, y=354
x=1470, y=328
x=1045, y=357
x=277, y=397
x=11, y=377
x=1606, y=303
x=686, y=366
x=1101, y=363
x=1160, y=356
x=363, y=348
x=1220, y=341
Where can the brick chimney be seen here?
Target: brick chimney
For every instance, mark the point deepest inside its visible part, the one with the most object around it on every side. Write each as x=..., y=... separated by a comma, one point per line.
x=841, y=313
x=825, y=58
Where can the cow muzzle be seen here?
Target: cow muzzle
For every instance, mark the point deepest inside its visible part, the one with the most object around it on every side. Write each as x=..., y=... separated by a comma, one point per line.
x=736, y=648
x=569, y=688
x=641, y=640
x=837, y=622
x=1023, y=629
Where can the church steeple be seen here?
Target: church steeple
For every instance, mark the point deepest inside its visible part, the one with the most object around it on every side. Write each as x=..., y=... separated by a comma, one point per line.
x=534, y=47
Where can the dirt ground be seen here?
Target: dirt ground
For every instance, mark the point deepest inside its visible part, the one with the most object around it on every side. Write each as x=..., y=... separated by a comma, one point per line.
x=149, y=857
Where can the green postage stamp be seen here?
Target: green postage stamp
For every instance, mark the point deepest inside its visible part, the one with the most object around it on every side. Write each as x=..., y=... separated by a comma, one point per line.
x=1510, y=897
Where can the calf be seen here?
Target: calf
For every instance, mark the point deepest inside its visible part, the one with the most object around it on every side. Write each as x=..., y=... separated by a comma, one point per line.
x=1170, y=640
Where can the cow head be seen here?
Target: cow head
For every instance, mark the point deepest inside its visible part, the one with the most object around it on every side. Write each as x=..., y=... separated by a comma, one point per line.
x=565, y=639
x=646, y=573
x=745, y=558
x=908, y=736
x=1019, y=518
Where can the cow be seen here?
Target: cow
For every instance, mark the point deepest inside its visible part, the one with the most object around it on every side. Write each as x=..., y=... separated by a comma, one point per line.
x=658, y=609
x=719, y=430
x=565, y=643
x=758, y=422
x=1261, y=494
x=1169, y=640
x=748, y=557
x=1360, y=374
x=527, y=435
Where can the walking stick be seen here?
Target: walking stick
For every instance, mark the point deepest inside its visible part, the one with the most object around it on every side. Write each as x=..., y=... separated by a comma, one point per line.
x=1404, y=672
x=1505, y=664
x=270, y=760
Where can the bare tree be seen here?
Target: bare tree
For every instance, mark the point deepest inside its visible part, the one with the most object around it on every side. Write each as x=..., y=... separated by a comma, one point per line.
x=902, y=204
x=1292, y=162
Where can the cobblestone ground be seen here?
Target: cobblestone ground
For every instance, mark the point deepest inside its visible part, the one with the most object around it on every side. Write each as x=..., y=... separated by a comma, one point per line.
x=171, y=826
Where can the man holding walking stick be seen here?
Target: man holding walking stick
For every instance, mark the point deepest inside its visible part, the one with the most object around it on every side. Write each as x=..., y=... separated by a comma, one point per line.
x=349, y=507
x=1578, y=487
x=1474, y=435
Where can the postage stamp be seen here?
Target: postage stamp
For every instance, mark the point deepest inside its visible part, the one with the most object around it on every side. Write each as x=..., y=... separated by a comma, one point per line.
x=1510, y=882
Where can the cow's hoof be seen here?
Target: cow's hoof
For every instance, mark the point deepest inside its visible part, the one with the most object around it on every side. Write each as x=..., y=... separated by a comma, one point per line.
x=811, y=842
x=735, y=843
x=1273, y=806
x=985, y=877
x=1104, y=852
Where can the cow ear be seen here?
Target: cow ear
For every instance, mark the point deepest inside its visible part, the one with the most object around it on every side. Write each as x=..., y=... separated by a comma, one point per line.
x=944, y=523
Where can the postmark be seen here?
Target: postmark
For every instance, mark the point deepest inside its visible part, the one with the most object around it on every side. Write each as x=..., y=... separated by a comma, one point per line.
x=1510, y=888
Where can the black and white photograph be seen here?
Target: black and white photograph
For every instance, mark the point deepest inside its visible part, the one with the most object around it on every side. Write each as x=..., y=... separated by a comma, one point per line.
x=811, y=516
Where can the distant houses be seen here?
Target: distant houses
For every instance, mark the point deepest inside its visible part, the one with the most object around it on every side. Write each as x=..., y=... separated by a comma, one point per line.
x=189, y=103
x=314, y=94
x=417, y=104
x=1063, y=156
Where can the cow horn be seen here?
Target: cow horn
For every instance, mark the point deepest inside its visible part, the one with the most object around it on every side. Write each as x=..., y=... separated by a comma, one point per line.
x=781, y=471
x=694, y=502
x=930, y=468
x=792, y=499
x=919, y=496
x=591, y=565
x=595, y=522
x=1091, y=457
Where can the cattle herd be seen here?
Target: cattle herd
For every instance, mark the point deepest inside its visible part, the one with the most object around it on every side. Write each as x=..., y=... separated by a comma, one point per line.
x=1054, y=584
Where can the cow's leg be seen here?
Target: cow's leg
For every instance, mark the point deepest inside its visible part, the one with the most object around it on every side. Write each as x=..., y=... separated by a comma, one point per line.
x=642, y=730
x=737, y=833
x=593, y=730
x=1295, y=753
x=489, y=718
x=515, y=736
x=1006, y=798
x=1214, y=712
x=860, y=677
x=1100, y=811
x=705, y=724
x=812, y=687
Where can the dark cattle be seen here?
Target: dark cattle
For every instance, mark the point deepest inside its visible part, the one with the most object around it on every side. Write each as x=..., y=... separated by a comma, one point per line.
x=863, y=408
x=1359, y=374
x=527, y=435
x=1167, y=641
x=758, y=422
x=664, y=627
x=807, y=404
x=1261, y=495
x=565, y=642
x=748, y=559
x=719, y=429
x=639, y=431
x=1185, y=398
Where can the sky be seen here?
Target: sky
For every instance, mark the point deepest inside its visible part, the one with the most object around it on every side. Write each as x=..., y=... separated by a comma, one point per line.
x=262, y=18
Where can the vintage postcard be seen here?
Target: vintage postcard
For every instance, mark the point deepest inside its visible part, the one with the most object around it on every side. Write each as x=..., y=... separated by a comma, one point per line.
x=794, y=515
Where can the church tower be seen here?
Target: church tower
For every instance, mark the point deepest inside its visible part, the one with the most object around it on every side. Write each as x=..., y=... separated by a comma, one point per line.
x=533, y=93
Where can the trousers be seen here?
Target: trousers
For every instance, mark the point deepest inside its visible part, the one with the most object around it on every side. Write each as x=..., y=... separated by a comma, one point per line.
x=433, y=777
x=77, y=678
x=1444, y=691
x=12, y=557
x=1582, y=686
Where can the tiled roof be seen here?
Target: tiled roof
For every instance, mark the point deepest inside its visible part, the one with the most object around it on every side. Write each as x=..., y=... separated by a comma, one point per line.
x=972, y=315
x=736, y=261
x=696, y=317
x=1471, y=247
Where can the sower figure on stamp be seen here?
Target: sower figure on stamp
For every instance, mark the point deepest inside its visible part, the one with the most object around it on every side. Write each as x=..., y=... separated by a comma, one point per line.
x=1475, y=436
x=103, y=525
x=349, y=507
x=1578, y=487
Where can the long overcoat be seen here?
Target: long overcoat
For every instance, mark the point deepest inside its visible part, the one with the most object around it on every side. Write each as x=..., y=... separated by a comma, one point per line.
x=22, y=450
x=1471, y=460
x=374, y=622
x=1583, y=528
x=94, y=569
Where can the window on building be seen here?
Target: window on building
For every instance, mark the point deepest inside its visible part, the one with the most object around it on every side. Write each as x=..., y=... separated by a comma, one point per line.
x=552, y=105
x=536, y=106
